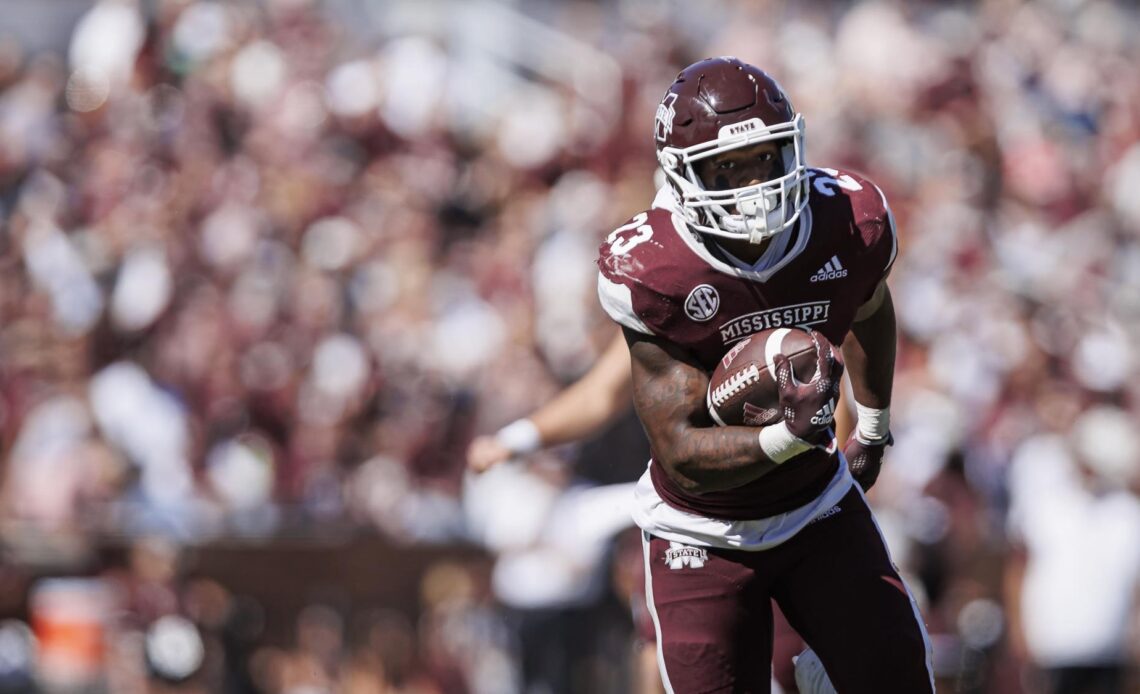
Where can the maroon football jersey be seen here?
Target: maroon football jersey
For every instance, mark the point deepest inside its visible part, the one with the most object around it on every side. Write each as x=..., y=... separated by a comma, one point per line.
x=660, y=278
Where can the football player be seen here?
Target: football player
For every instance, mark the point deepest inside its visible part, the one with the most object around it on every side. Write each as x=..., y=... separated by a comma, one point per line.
x=745, y=237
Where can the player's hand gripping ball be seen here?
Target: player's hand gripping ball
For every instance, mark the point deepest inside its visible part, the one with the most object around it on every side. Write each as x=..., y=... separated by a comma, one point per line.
x=787, y=374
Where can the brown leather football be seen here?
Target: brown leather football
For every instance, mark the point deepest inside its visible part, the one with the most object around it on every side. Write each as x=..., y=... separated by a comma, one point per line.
x=742, y=390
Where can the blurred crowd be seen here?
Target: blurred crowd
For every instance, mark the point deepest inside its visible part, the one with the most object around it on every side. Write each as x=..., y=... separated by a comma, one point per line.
x=265, y=268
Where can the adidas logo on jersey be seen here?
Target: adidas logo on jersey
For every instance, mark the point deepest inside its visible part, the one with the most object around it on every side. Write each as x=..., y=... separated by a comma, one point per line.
x=825, y=414
x=833, y=270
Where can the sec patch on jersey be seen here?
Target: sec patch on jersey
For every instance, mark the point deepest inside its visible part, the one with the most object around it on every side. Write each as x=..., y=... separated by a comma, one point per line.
x=742, y=388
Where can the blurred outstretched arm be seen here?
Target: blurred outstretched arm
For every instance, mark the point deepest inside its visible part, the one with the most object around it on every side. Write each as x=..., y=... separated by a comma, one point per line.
x=585, y=407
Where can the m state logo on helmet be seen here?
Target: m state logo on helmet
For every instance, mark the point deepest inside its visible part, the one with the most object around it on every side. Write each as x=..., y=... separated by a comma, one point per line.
x=663, y=122
x=718, y=105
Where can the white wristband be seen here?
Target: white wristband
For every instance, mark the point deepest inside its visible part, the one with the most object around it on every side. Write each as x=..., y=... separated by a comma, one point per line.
x=520, y=436
x=779, y=444
x=874, y=424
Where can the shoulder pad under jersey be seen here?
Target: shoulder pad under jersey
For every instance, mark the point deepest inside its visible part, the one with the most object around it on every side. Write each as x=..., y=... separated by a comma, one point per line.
x=640, y=259
x=867, y=206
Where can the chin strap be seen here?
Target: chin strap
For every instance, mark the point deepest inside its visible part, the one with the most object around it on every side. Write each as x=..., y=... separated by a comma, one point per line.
x=759, y=235
x=756, y=222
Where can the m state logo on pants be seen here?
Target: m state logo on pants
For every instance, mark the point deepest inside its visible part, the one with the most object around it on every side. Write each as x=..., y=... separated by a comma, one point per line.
x=679, y=556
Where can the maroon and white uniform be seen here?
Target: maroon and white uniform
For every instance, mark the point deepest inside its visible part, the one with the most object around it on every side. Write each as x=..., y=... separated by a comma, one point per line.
x=731, y=147
x=802, y=535
x=658, y=277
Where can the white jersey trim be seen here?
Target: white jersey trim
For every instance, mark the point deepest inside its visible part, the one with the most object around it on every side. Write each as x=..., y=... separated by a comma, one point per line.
x=666, y=199
x=653, y=613
x=773, y=254
x=617, y=301
x=656, y=517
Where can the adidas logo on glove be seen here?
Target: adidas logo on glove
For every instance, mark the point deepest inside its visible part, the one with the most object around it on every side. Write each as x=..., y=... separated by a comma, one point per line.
x=825, y=414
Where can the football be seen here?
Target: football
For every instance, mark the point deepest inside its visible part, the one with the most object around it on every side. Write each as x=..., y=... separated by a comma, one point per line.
x=742, y=389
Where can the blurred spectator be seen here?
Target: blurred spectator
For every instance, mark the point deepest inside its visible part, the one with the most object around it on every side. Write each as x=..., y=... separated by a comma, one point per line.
x=1076, y=515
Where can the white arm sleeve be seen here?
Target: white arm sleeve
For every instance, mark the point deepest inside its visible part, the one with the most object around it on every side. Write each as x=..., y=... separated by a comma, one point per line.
x=618, y=304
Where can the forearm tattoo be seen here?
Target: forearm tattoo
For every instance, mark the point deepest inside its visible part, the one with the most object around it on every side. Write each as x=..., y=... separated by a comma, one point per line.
x=669, y=394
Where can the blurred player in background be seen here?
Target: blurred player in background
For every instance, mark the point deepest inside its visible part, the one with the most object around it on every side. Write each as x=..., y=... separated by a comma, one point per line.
x=745, y=233
x=579, y=411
